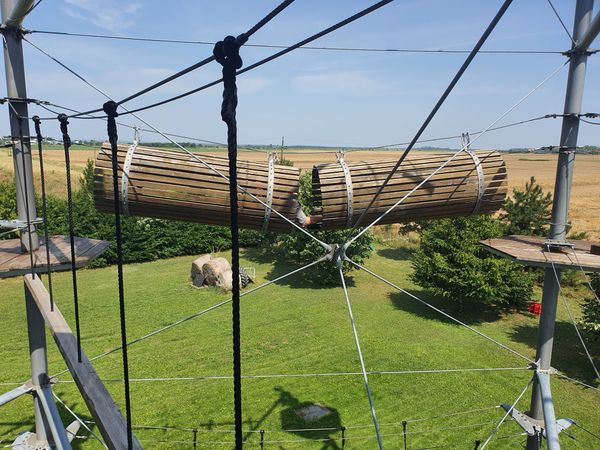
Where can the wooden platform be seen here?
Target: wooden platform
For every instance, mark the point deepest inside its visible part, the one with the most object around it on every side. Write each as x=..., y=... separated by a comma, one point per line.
x=530, y=250
x=14, y=263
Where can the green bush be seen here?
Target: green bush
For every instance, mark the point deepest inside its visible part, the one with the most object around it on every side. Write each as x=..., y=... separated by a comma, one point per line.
x=298, y=248
x=451, y=263
x=591, y=309
x=528, y=212
x=8, y=200
x=144, y=239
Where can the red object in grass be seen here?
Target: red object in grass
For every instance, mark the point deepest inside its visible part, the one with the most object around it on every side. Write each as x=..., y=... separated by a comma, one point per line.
x=535, y=308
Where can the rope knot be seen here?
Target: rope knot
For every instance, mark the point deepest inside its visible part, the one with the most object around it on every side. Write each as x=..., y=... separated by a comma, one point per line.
x=38, y=131
x=110, y=108
x=64, y=129
x=227, y=52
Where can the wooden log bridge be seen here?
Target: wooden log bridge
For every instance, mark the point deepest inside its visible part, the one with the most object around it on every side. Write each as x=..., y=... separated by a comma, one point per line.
x=170, y=184
x=472, y=183
x=174, y=185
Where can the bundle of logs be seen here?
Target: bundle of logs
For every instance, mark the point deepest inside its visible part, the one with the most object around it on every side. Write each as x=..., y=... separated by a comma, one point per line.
x=170, y=184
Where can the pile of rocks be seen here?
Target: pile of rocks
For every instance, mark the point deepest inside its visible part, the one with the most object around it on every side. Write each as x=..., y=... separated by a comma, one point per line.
x=209, y=271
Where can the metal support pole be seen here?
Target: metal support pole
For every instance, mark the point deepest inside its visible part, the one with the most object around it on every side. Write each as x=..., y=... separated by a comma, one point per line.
x=39, y=363
x=13, y=11
x=551, y=427
x=560, y=207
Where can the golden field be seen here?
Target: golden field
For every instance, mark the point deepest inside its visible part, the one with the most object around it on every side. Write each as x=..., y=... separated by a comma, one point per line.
x=585, y=197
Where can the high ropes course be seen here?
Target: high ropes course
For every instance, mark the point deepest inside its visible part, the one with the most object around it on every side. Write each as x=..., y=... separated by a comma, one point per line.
x=184, y=185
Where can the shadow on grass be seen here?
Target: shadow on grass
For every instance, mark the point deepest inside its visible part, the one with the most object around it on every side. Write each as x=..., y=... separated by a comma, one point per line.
x=320, y=276
x=326, y=429
x=568, y=355
x=476, y=314
x=402, y=253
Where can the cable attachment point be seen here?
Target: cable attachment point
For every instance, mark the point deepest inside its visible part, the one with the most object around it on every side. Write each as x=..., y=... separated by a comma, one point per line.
x=64, y=129
x=37, y=125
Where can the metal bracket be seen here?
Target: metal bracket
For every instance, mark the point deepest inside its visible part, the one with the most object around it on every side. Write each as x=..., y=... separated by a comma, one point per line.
x=553, y=245
x=527, y=423
x=349, y=190
x=270, y=186
x=18, y=224
x=480, y=179
x=124, y=197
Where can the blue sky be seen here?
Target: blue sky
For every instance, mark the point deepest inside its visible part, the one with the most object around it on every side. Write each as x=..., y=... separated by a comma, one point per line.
x=314, y=97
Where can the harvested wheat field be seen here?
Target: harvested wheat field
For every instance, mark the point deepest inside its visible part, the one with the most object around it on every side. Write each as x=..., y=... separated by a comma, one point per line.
x=585, y=203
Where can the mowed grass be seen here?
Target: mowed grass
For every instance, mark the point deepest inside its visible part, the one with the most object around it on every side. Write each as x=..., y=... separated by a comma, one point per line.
x=289, y=328
x=584, y=209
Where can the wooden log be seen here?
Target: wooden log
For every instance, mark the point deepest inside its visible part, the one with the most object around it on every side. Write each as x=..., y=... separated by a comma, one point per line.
x=174, y=185
x=459, y=189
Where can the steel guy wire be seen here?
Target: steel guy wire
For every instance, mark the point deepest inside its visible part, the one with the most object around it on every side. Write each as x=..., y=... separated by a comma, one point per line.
x=196, y=157
x=589, y=386
x=360, y=356
x=284, y=4
x=508, y=111
x=441, y=100
x=296, y=375
x=561, y=22
x=445, y=314
x=505, y=415
x=272, y=57
x=566, y=304
x=586, y=277
x=193, y=316
x=304, y=47
x=78, y=419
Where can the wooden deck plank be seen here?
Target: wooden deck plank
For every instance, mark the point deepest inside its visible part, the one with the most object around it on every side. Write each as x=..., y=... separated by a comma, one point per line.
x=14, y=263
x=529, y=250
x=103, y=408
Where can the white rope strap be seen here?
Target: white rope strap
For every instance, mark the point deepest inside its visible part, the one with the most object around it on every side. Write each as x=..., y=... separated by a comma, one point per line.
x=124, y=197
x=270, y=185
x=480, y=180
x=349, y=190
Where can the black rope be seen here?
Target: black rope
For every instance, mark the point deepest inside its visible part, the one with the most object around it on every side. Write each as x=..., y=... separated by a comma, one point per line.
x=404, y=433
x=110, y=108
x=227, y=54
x=64, y=122
x=439, y=104
x=39, y=138
x=332, y=28
x=26, y=195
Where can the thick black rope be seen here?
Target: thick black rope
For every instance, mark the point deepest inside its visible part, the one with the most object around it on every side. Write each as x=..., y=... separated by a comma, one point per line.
x=26, y=195
x=439, y=104
x=284, y=4
x=110, y=108
x=38, y=134
x=64, y=128
x=227, y=53
x=314, y=37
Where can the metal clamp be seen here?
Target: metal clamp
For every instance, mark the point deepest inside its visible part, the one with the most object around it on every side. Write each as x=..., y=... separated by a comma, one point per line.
x=124, y=197
x=349, y=190
x=480, y=179
x=270, y=185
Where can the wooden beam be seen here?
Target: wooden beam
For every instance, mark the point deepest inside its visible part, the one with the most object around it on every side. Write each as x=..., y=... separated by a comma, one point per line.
x=103, y=408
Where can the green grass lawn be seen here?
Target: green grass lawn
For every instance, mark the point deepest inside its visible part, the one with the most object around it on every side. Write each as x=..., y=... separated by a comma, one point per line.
x=291, y=329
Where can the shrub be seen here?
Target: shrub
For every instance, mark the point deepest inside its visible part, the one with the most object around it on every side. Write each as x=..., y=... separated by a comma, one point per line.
x=452, y=264
x=528, y=212
x=8, y=200
x=298, y=248
x=591, y=309
x=284, y=162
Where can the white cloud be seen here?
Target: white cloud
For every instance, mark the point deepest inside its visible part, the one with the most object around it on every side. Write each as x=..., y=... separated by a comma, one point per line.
x=110, y=15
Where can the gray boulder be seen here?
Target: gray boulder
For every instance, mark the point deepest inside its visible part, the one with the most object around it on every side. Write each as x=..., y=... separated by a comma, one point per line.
x=197, y=274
